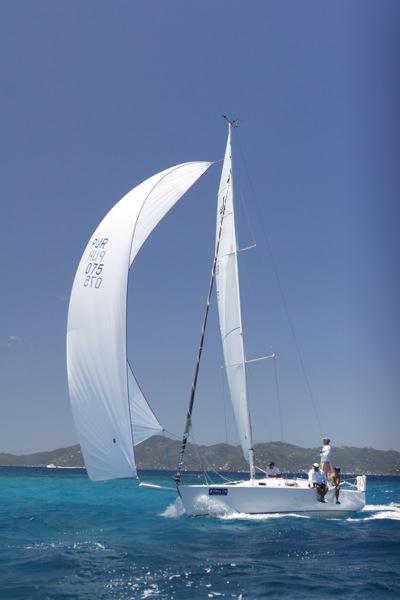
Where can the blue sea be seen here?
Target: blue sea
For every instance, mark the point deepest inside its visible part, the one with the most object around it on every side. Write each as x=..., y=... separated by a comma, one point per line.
x=63, y=537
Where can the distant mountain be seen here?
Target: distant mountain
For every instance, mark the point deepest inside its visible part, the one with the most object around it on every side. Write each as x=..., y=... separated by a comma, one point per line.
x=161, y=453
x=62, y=457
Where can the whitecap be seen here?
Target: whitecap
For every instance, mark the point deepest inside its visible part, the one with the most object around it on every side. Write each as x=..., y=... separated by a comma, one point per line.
x=150, y=591
x=261, y=517
x=379, y=511
x=66, y=545
x=174, y=510
x=99, y=546
x=376, y=507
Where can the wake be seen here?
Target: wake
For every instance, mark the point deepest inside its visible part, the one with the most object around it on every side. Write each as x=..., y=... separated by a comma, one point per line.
x=235, y=516
x=370, y=512
x=373, y=512
x=222, y=512
x=174, y=510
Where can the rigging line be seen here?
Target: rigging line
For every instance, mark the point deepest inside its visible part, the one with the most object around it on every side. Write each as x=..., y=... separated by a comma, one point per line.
x=220, y=475
x=280, y=288
x=174, y=435
x=278, y=396
x=246, y=212
x=202, y=460
x=203, y=331
x=209, y=466
x=260, y=469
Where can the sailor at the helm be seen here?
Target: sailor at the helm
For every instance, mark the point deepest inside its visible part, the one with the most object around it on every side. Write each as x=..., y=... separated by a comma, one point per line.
x=272, y=470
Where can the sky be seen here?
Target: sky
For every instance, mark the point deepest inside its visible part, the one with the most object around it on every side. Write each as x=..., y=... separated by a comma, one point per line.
x=97, y=96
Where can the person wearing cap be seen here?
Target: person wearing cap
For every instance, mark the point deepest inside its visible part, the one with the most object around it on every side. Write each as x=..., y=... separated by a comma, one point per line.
x=317, y=479
x=272, y=470
x=325, y=453
x=335, y=480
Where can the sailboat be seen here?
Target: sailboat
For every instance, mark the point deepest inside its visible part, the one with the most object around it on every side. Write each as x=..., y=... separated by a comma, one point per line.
x=110, y=411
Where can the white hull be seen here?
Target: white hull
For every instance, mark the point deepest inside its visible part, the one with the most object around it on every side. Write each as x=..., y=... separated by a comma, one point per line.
x=266, y=496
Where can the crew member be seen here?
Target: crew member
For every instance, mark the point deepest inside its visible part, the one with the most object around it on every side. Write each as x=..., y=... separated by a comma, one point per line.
x=335, y=480
x=272, y=470
x=317, y=479
x=325, y=453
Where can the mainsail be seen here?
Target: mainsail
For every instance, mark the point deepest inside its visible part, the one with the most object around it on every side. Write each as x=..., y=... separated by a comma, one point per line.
x=229, y=309
x=110, y=411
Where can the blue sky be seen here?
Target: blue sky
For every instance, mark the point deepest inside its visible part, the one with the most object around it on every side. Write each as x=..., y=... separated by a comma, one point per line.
x=96, y=96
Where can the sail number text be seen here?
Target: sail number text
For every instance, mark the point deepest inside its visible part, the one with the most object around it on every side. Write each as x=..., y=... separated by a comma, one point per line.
x=95, y=265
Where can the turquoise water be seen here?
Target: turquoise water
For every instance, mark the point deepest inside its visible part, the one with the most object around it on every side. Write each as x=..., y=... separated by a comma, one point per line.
x=63, y=537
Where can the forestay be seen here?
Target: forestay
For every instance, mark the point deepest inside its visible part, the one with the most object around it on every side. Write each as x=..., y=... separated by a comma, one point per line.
x=110, y=414
x=228, y=295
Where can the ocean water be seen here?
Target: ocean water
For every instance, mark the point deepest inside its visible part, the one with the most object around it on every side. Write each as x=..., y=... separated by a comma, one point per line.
x=63, y=537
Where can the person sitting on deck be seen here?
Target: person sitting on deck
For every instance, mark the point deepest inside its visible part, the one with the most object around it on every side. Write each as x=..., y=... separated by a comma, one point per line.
x=317, y=479
x=272, y=470
x=325, y=453
x=335, y=480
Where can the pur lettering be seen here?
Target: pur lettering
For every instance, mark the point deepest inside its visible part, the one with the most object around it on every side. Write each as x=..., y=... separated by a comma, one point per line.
x=99, y=243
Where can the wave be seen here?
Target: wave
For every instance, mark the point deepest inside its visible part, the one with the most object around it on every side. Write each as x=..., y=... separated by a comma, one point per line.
x=174, y=510
x=261, y=517
x=389, y=511
x=220, y=511
x=377, y=507
x=64, y=545
x=369, y=513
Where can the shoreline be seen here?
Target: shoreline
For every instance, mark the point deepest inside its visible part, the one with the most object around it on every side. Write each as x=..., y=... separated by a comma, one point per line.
x=165, y=471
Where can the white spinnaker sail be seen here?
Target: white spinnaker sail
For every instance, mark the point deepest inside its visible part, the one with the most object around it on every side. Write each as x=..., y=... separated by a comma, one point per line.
x=143, y=420
x=229, y=309
x=96, y=332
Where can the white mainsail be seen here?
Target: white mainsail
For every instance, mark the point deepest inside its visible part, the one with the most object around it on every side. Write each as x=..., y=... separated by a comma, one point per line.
x=229, y=309
x=110, y=412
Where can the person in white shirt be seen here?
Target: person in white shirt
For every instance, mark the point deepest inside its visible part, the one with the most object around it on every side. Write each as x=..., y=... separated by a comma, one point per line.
x=325, y=453
x=317, y=479
x=272, y=470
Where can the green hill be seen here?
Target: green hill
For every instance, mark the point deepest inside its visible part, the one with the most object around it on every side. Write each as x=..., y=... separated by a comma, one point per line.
x=161, y=453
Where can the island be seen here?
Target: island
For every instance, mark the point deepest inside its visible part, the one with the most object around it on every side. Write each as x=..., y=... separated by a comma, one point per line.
x=160, y=453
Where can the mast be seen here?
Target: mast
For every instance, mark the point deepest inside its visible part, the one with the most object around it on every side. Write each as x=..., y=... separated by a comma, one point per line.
x=225, y=272
x=188, y=421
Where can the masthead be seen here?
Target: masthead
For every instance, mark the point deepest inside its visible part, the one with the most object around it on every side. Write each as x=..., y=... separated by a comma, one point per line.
x=232, y=122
